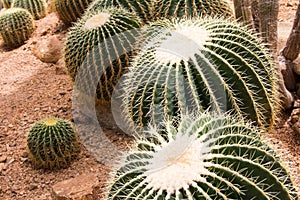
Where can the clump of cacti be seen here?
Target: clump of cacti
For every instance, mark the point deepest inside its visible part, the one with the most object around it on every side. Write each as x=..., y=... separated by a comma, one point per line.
x=16, y=26
x=52, y=143
x=6, y=3
x=142, y=8
x=193, y=65
x=192, y=8
x=99, y=46
x=70, y=10
x=208, y=157
x=38, y=8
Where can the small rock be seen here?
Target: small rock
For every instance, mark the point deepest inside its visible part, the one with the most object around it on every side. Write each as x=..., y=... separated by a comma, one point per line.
x=32, y=186
x=48, y=50
x=80, y=188
x=288, y=4
x=3, y=159
x=2, y=167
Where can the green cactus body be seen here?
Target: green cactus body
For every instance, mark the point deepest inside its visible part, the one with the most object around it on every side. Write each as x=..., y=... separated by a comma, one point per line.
x=192, y=8
x=97, y=46
x=194, y=65
x=6, y=3
x=142, y=8
x=16, y=26
x=70, y=10
x=38, y=8
x=52, y=143
x=208, y=157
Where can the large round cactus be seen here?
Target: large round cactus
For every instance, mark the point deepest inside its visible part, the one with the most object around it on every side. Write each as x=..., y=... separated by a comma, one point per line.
x=38, y=8
x=52, y=142
x=194, y=65
x=192, y=8
x=142, y=8
x=70, y=10
x=16, y=26
x=99, y=44
x=208, y=157
x=6, y=3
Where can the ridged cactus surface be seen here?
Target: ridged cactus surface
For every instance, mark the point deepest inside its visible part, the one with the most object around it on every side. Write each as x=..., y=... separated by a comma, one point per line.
x=98, y=46
x=38, y=8
x=16, y=26
x=142, y=8
x=6, y=3
x=52, y=143
x=208, y=157
x=70, y=10
x=194, y=65
x=192, y=8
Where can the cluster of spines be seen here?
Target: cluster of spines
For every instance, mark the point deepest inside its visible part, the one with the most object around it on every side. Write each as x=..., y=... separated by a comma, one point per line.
x=16, y=26
x=229, y=70
x=52, y=143
x=207, y=157
x=38, y=8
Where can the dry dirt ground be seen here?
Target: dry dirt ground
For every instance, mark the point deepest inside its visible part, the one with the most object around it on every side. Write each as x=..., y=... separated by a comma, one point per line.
x=31, y=90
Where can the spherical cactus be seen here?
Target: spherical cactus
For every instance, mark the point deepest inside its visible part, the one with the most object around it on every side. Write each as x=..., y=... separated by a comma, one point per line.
x=70, y=10
x=6, y=3
x=38, y=8
x=192, y=8
x=208, y=157
x=16, y=26
x=99, y=45
x=142, y=8
x=194, y=65
x=52, y=143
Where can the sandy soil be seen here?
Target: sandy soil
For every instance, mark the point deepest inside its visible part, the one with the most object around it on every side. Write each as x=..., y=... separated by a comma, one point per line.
x=31, y=90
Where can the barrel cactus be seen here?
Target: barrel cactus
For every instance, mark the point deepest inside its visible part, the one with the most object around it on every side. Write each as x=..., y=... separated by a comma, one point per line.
x=6, y=3
x=38, y=8
x=70, y=10
x=192, y=8
x=16, y=26
x=192, y=65
x=52, y=143
x=142, y=8
x=208, y=157
x=99, y=45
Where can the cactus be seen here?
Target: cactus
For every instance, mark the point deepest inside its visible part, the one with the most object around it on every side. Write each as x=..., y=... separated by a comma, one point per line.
x=70, y=10
x=38, y=8
x=6, y=3
x=194, y=65
x=16, y=26
x=98, y=45
x=208, y=157
x=192, y=8
x=142, y=8
x=52, y=143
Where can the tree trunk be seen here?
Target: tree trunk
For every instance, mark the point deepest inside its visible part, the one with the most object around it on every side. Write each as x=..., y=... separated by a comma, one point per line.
x=243, y=11
x=292, y=47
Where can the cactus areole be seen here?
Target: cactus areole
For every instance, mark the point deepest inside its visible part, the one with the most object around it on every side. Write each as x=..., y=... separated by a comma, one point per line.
x=97, y=21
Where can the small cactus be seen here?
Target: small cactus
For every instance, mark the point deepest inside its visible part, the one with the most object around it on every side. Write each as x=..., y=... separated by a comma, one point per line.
x=97, y=45
x=38, y=8
x=52, y=143
x=6, y=3
x=192, y=8
x=208, y=157
x=193, y=65
x=70, y=10
x=142, y=8
x=16, y=26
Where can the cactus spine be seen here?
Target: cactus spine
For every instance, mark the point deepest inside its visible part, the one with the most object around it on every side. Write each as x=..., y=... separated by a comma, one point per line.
x=38, y=8
x=16, y=26
x=192, y=8
x=6, y=3
x=198, y=64
x=97, y=45
x=208, y=157
x=70, y=10
x=142, y=8
x=52, y=143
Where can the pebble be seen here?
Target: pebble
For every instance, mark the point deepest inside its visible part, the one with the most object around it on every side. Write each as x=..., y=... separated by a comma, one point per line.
x=3, y=159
